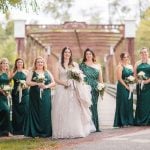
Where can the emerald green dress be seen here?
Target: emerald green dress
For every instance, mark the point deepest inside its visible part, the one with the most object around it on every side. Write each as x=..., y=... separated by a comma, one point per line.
x=142, y=115
x=19, y=109
x=39, y=118
x=4, y=108
x=124, y=105
x=92, y=79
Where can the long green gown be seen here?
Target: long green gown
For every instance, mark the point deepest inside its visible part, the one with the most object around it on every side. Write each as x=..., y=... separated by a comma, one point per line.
x=39, y=118
x=19, y=109
x=142, y=115
x=124, y=106
x=92, y=78
x=4, y=108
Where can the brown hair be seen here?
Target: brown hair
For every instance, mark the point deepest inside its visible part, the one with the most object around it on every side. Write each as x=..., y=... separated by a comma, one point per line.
x=15, y=66
x=62, y=57
x=84, y=56
x=122, y=55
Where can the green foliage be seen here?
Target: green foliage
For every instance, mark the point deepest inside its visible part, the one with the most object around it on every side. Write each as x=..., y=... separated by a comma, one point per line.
x=143, y=31
x=117, y=9
x=10, y=28
x=8, y=49
x=8, y=45
x=6, y=5
x=59, y=9
x=2, y=32
x=94, y=16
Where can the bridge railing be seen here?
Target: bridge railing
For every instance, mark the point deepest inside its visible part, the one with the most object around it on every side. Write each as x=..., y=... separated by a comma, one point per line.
x=111, y=89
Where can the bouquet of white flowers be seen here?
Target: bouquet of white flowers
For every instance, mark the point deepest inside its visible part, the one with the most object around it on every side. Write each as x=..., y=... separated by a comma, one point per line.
x=101, y=88
x=76, y=74
x=40, y=79
x=22, y=85
x=7, y=92
x=141, y=76
x=130, y=80
x=7, y=89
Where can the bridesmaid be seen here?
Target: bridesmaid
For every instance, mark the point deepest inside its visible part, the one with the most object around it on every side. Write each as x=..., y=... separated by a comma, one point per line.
x=40, y=81
x=93, y=74
x=4, y=107
x=142, y=115
x=124, y=106
x=20, y=97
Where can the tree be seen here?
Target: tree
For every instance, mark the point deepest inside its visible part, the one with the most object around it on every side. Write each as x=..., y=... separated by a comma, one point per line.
x=93, y=16
x=59, y=9
x=120, y=9
x=6, y=5
x=143, y=31
x=117, y=11
x=8, y=45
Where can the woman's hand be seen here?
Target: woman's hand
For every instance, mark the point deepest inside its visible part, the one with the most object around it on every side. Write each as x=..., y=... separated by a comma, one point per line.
x=3, y=92
x=67, y=84
x=146, y=81
x=41, y=85
x=127, y=87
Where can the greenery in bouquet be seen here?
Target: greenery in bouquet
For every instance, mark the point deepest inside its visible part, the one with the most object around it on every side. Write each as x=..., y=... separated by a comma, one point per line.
x=40, y=78
x=6, y=89
x=130, y=80
x=101, y=88
x=22, y=84
x=76, y=74
x=141, y=75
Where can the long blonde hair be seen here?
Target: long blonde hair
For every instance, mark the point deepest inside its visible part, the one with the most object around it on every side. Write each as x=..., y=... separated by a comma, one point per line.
x=3, y=60
x=35, y=61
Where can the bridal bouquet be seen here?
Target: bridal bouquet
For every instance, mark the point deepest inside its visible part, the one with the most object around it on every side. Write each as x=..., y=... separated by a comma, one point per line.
x=40, y=79
x=130, y=80
x=7, y=89
x=76, y=74
x=7, y=92
x=22, y=85
x=101, y=88
x=141, y=76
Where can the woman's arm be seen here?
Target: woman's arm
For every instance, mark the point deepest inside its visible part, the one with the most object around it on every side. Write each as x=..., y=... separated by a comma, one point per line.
x=135, y=70
x=119, y=76
x=11, y=74
x=29, y=80
x=52, y=84
x=100, y=74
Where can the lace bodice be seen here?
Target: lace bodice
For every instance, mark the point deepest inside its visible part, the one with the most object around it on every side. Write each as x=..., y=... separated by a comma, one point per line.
x=63, y=75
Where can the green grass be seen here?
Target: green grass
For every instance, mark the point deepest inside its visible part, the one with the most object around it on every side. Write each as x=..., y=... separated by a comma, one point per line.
x=27, y=144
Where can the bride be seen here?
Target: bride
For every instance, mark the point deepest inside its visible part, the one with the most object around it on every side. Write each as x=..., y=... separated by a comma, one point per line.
x=71, y=116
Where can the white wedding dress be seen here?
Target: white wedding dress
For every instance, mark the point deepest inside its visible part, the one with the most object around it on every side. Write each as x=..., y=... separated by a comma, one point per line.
x=71, y=116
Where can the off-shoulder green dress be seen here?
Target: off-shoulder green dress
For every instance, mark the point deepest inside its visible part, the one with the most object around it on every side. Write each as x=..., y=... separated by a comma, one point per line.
x=92, y=79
